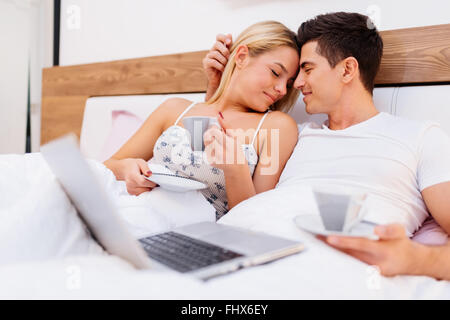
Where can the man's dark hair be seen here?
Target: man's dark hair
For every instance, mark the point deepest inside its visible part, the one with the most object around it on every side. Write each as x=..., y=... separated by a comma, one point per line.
x=342, y=34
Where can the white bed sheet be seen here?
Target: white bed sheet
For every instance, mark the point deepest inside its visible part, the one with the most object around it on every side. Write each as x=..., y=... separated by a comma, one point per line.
x=37, y=220
x=318, y=272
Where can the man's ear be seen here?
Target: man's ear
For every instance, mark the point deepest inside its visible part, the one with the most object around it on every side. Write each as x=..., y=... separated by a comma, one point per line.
x=242, y=56
x=350, y=69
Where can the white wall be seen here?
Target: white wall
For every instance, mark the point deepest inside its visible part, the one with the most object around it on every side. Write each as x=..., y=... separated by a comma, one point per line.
x=14, y=39
x=26, y=37
x=41, y=56
x=104, y=30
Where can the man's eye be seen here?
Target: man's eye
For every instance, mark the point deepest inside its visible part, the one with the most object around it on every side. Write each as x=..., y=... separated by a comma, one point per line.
x=307, y=70
x=275, y=74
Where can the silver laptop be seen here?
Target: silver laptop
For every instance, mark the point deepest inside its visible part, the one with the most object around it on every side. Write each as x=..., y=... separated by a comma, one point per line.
x=203, y=250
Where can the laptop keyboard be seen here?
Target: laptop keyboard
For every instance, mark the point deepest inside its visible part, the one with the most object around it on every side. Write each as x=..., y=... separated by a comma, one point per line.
x=184, y=253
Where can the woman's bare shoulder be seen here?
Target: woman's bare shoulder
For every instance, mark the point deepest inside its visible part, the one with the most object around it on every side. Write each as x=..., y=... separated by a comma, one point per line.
x=173, y=104
x=280, y=120
x=171, y=108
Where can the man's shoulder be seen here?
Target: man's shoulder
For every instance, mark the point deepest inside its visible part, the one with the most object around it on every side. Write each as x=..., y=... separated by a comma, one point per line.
x=312, y=125
x=409, y=131
x=404, y=125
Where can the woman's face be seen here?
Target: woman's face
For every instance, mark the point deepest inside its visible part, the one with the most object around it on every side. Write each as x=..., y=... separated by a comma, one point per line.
x=264, y=79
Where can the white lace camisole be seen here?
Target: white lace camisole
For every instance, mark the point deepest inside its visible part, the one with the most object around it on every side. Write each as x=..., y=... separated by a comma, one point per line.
x=173, y=150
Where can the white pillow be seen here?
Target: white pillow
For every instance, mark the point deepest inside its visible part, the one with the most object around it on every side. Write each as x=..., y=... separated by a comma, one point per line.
x=38, y=221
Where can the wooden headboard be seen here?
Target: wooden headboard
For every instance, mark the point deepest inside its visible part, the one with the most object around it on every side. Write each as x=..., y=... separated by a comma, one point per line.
x=411, y=56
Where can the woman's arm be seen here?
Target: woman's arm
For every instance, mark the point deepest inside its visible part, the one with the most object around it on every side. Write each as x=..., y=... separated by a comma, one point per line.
x=238, y=184
x=277, y=140
x=130, y=162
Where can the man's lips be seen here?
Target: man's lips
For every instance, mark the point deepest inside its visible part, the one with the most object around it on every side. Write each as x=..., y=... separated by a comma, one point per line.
x=306, y=95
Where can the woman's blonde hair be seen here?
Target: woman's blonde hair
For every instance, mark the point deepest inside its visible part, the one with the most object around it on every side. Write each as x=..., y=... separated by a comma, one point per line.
x=261, y=38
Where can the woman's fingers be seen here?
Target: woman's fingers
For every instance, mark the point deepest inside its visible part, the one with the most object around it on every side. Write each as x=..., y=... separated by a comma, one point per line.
x=137, y=191
x=140, y=179
x=143, y=166
x=213, y=134
x=143, y=182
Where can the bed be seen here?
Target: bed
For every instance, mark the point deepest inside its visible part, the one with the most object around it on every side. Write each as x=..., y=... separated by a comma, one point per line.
x=48, y=254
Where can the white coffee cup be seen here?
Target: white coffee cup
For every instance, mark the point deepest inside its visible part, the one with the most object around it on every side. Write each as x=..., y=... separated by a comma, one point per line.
x=196, y=126
x=340, y=210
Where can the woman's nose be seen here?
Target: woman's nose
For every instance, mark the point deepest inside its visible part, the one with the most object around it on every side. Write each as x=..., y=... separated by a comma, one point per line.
x=281, y=89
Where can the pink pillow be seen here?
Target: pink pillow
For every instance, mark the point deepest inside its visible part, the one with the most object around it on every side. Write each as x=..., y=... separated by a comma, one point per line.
x=430, y=233
x=124, y=125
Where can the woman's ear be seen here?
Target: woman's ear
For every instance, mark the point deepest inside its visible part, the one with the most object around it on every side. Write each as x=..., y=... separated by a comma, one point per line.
x=350, y=69
x=242, y=56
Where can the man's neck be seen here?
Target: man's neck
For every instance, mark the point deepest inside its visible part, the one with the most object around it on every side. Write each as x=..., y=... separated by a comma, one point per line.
x=352, y=110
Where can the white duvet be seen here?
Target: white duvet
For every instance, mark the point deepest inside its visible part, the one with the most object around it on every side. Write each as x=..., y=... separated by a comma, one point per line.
x=45, y=251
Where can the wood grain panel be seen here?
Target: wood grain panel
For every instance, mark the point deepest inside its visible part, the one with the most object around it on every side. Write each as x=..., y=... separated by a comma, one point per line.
x=61, y=115
x=161, y=74
x=415, y=55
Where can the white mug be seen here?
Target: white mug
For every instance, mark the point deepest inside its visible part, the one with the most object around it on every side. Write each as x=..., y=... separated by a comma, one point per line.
x=196, y=126
x=340, y=211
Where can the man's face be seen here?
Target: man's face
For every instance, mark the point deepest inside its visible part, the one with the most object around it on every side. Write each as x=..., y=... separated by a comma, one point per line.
x=320, y=84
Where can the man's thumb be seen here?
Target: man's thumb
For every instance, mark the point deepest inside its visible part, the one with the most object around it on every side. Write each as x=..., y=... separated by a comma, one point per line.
x=392, y=231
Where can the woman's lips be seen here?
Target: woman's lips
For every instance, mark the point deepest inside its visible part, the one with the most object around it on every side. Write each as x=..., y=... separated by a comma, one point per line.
x=270, y=97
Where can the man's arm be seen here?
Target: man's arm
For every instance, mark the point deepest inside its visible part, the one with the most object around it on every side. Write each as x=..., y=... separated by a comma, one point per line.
x=215, y=61
x=436, y=199
x=396, y=254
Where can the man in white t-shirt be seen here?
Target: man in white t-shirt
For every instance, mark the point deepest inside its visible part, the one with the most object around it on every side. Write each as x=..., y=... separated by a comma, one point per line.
x=404, y=165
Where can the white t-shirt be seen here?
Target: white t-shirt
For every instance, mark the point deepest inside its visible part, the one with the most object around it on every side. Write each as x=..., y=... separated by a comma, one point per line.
x=390, y=158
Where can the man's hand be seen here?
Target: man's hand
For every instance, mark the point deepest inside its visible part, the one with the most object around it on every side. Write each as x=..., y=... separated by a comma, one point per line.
x=215, y=61
x=394, y=253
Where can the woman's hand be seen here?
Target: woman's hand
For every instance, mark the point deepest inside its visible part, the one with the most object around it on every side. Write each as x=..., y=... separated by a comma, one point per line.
x=133, y=172
x=222, y=147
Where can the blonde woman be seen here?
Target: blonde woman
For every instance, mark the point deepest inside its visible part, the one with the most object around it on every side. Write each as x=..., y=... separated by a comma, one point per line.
x=258, y=137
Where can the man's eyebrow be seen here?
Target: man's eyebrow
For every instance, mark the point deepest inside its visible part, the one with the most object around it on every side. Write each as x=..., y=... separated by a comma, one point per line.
x=282, y=67
x=303, y=65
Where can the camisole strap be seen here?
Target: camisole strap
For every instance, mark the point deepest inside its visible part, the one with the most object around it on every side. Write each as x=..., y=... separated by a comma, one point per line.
x=184, y=112
x=259, y=127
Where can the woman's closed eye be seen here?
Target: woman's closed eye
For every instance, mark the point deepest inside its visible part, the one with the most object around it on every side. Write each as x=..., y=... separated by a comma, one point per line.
x=274, y=73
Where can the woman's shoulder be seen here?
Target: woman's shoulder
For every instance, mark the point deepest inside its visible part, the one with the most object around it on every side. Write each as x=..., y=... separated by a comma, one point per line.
x=173, y=107
x=280, y=120
x=178, y=103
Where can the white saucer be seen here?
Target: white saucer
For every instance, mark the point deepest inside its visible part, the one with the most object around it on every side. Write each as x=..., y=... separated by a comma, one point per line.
x=313, y=223
x=170, y=181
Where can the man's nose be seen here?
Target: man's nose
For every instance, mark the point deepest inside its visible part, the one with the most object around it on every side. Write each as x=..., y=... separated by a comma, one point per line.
x=299, y=82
